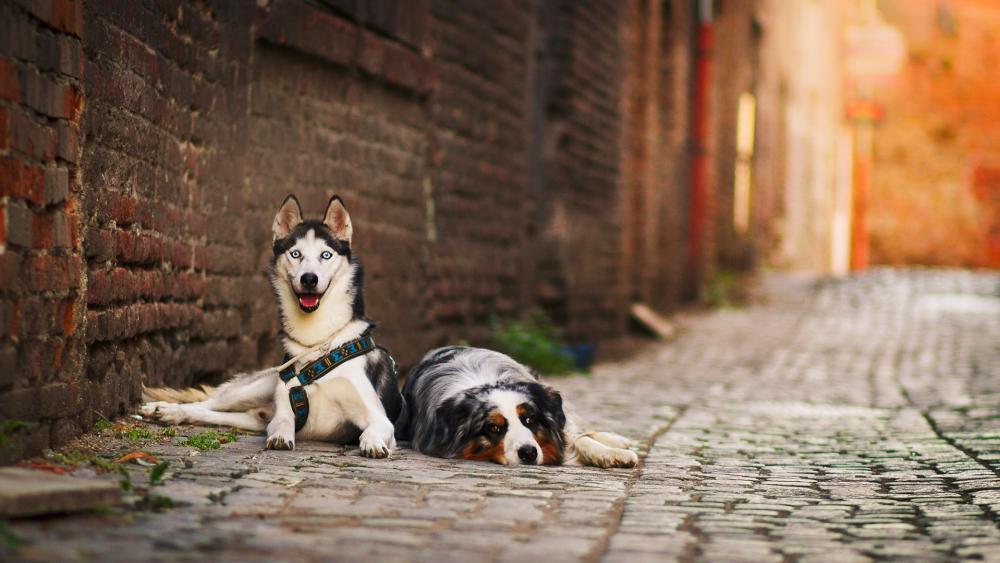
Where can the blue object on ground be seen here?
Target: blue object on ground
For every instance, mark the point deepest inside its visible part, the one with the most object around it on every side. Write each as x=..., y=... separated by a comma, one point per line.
x=582, y=354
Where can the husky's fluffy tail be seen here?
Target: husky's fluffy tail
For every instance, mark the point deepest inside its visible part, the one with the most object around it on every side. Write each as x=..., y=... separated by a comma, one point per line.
x=189, y=395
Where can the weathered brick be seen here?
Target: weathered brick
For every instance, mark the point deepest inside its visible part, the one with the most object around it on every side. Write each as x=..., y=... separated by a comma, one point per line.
x=4, y=128
x=50, y=401
x=56, y=185
x=67, y=15
x=68, y=147
x=8, y=357
x=72, y=103
x=10, y=272
x=42, y=233
x=10, y=88
x=21, y=180
x=32, y=138
x=52, y=273
x=70, y=57
x=19, y=224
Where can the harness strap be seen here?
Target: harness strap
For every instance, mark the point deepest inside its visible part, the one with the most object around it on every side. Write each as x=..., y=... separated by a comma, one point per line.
x=298, y=397
x=300, y=405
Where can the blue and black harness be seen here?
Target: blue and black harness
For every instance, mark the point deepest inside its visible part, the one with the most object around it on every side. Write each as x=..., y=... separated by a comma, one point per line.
x=317, y=369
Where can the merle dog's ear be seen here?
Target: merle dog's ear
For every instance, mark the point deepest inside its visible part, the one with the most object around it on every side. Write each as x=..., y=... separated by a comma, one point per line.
x=552, y=404
x=457, y=421
x=338, y=220
x=289, y=216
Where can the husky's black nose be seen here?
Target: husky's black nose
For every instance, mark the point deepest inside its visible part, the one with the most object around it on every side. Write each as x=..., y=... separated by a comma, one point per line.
x=528, y=454
x=309, y=281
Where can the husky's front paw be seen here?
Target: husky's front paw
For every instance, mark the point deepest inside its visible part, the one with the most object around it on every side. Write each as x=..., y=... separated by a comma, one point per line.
x=280, y=436
x=374, y=445
x=162, y=411
x=279, y=443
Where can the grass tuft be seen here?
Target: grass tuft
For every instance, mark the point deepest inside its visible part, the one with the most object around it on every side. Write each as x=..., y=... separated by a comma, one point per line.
x=210, y=440
x=8, y=428
x=535, y=342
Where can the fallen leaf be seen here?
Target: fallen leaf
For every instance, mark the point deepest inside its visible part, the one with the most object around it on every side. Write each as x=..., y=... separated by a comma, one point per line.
x=45, y=466
x=141, y=458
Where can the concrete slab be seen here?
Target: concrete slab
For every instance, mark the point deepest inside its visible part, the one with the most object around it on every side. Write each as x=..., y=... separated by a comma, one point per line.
x=26, y=492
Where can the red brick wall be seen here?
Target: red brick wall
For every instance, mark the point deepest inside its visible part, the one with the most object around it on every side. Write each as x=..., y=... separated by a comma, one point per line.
x=41, y=254
x=477, y=212
x=656, y=159
x=146, y=144
x=582, y=283
x=478, y=145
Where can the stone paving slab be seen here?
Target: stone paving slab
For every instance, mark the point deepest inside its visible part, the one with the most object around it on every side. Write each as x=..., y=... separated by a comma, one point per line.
x=31, y=493
x=851, y=420
x=778, y=481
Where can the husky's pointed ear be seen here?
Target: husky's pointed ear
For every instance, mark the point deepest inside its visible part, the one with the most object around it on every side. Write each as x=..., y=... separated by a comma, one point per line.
x=338, y=220
x=289, y=216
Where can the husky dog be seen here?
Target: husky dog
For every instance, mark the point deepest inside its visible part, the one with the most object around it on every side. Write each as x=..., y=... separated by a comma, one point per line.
x=318, y=284
x=481, y=405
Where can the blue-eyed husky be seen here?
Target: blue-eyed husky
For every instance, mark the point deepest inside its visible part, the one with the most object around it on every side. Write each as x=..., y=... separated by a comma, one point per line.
x=337, y=385
x=481, y=405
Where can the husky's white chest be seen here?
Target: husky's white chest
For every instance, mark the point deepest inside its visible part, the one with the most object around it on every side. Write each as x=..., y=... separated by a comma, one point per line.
x=335, y=401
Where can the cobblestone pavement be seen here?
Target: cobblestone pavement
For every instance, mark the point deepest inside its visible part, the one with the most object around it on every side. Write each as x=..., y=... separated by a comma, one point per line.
x=847, y=420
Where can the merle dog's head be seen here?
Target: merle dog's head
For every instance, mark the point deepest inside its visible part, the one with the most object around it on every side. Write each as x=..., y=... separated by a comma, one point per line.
x=509, y=424
x=312, y=271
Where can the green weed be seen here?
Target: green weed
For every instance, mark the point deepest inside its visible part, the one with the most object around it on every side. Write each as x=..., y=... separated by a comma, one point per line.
x=136, y=433
x=8, y=428
x=156, y=473
x=161, y=502
x=535, y=342
x=76, y=458
x=126, y=482
x=8, y=537
x=102, y=424
x=210, y=440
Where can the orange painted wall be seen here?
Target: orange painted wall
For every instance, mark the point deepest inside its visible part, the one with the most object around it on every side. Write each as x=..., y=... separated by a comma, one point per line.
x=936, y=183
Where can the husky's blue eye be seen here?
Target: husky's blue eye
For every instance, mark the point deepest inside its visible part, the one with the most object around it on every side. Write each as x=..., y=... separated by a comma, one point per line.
x=295, y=254
x=326, y=255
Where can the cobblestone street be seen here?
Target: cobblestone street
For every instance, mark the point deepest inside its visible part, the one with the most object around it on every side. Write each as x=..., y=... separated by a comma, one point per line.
x=843, y=420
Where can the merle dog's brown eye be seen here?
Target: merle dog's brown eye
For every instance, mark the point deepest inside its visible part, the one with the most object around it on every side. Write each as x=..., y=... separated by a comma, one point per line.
x=495, y=428
x=527, y=420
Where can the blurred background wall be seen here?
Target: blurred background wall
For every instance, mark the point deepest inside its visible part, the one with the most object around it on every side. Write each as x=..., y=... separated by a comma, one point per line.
x=936, y=186
x=497, y=157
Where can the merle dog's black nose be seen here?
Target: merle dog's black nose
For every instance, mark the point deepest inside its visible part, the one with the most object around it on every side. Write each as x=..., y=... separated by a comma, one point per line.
x=309, y=280
x=528, y=454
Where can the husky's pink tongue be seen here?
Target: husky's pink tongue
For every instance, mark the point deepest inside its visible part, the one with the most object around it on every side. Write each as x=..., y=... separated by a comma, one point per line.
x=309, y=301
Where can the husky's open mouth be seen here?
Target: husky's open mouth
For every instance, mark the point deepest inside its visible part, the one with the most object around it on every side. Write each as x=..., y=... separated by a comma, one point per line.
x=309, y=302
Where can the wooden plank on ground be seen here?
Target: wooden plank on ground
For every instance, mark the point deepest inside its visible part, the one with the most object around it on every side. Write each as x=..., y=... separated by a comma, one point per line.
x=653, y=321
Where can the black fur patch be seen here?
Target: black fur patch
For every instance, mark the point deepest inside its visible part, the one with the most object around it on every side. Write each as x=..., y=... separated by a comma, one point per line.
x=383, y=379
x=319, y=228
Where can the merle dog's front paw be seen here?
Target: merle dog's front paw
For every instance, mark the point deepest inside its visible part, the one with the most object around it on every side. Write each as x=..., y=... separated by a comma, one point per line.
x=618, y=457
